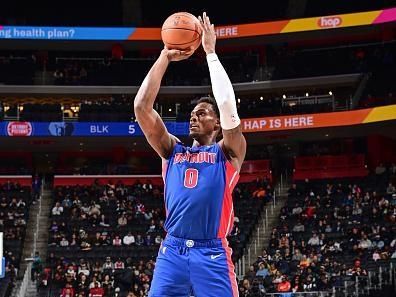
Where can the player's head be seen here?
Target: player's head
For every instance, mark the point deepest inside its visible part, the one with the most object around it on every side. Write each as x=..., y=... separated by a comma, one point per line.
x=205, y=119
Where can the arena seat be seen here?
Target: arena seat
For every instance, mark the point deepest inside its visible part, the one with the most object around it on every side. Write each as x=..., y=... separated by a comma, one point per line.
x=123, y=196
x=324, y=167
x=347, y=211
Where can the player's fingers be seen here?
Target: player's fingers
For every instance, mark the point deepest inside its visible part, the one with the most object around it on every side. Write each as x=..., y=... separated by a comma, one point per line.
x=212, y=28
x=201, y=25
x=187, y=52
x=205, y=20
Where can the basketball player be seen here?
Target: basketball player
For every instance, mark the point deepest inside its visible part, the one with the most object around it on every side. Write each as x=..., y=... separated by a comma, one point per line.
x=194, y=256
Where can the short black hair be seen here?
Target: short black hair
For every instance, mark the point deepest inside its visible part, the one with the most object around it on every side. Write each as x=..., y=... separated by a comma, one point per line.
x=211, y=101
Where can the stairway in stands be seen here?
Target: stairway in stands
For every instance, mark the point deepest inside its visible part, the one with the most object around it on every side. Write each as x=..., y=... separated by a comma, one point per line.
x=269, y=219
x=36, y=240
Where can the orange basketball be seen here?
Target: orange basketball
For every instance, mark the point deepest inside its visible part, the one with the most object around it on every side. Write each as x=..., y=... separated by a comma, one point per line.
x=181, y=30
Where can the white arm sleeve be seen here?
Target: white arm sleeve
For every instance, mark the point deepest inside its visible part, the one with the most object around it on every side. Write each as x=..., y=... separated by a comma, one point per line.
x=223, y=93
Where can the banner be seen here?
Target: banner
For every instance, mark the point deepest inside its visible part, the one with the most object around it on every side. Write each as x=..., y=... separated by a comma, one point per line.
x=222, y=32
x=24, y=129
x=121, y=129
x=319, y=120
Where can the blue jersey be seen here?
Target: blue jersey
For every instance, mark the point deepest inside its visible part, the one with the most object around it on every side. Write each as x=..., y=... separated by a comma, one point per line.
x=198, y=192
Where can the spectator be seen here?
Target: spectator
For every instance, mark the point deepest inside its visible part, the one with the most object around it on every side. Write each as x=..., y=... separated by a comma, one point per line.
x=64, y=242
x=83, y=269
x=299, y=227
x=37, y=266
x=68, y=291
x=148, y=240
x=376, y=255
x=108, y=265
x=57, y=210
x=380, y=169
x=122, y=220
x=59, y=77
x=314, y=240
x=103, y=221
x=119, y=264
x=139, y=240
x=262, y=270
x=158, y=240
x=117, y=241
x=390, y=189
x=365, y=243
x=293, y=192
x=96, y=291
x=129, y=239
x=284, y=285
x=152, y=227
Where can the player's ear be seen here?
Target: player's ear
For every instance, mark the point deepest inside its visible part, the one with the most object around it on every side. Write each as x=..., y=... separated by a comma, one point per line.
x=217, y=125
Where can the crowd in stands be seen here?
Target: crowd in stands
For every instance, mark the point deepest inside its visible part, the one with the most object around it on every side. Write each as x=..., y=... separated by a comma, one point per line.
x=104, y=238
x=278, y=62
x=329, y=231
x=117, y=108
x=15, y=202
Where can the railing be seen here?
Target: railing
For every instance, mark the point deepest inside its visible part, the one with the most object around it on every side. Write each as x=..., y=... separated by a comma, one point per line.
x=301, y=294
x=240, y=267
x=309, y=100
x=385, y=275
x=27, y=276
x=21, y=291
x=35, y=237
x=356, y=286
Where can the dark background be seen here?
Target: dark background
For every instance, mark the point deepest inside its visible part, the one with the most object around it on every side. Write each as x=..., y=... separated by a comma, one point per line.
x=148, y=13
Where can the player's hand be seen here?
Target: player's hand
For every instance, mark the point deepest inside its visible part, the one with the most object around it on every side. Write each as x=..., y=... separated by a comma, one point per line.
x=208, y=34
x=177, y=55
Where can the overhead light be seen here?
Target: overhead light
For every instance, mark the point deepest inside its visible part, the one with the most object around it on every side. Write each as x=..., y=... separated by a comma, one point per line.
x=261, y=98
x=239, y=100
x=306, y=94
x=330, y=93
x=170, y=109
x=284, y=96
x=327, y=135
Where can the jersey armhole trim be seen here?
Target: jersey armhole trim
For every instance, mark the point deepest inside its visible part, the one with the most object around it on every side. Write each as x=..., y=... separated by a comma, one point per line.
x=228, y=161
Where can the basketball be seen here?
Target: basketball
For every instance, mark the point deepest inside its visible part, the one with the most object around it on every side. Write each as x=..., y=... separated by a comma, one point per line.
x=181, y=30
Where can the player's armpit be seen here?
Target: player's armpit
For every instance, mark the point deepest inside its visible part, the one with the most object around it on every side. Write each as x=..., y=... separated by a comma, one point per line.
x=234, y=146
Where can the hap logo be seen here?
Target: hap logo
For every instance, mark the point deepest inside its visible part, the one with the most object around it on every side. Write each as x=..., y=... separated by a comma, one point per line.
x=329, y=22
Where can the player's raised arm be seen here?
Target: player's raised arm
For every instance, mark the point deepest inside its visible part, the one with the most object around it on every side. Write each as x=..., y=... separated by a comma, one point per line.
x=149, y=120
x=233, y=142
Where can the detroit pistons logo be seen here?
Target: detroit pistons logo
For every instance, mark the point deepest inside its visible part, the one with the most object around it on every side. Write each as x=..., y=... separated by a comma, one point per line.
x=19, y=129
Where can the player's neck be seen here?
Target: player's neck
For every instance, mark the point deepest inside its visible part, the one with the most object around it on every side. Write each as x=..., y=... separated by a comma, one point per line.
x=204, y=141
